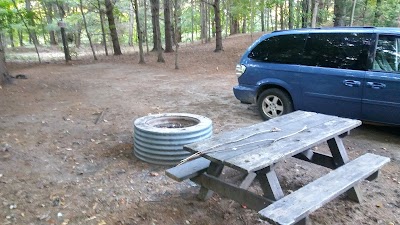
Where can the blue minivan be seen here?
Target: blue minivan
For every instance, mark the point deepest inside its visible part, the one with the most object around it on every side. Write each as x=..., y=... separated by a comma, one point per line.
x=351, y=72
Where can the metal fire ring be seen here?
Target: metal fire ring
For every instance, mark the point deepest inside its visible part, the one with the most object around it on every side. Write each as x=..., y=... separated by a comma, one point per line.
x=159, y=138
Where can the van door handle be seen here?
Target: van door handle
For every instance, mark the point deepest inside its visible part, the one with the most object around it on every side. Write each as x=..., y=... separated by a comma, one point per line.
x=352, y=83
x=376, y=85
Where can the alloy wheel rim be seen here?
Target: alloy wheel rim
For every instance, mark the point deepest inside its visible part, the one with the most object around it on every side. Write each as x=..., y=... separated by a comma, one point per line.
x=272, y=106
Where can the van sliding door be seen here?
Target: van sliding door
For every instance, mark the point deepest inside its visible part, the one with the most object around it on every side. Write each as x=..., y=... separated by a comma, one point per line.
x=333, y=73
x=381, y=100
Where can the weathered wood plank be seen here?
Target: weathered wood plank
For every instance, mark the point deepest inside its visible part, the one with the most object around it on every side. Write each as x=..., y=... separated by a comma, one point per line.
x=215, y=169
x=188, y=170
x=298, y=205
x=318, y=159
x=264, y=156
x=242, y=196
x=262, y=141
x=230, y=136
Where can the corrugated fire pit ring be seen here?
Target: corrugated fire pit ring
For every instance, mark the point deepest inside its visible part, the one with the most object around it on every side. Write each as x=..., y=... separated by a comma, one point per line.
x=159, y=138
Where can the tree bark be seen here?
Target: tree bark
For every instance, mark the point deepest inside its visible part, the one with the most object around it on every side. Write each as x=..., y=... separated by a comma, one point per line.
x=87, y=32
x=103, y=32
x=155, y=19
x=352, y=12
x=315, y=14
x=339, y=11
x=291, y=14
x=5, y=77
x=49, y=19
x=139, y=32
x=131, y=22
x=167, y=27
x=31, y=22
x=304, y=18
x=112, y=27
x=218, y=27
x=145, y=26
x=262, y=15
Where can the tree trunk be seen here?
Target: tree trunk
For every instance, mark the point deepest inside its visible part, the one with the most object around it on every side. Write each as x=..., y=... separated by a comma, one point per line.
x=315, y=14
x=262, y=15
x=112, y=27
x=31, y=22
x=192, y=19
x=304, y=18
x=291, y=13
x=145, y=26
x=131, y=22
x=177, y=28
x=244, y=25
x=87, y=32
x=49, y=19
x=218, y=27
x=11, y=34
x=339, y=11
x=5, y=77
x=276, y=16
x=139, y=32
x=282, y=16
x=203, y=18
x=378, y=12
x=167, y=27
x=178, y=35
x=20, y=38
x=103, y=32
x=78, y=34
x=155, y=14
x=155, y=19
x=352, y=12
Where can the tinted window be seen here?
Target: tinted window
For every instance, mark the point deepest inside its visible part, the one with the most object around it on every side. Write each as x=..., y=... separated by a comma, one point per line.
x=346, y=51
x=387, y=56
x=280, y=49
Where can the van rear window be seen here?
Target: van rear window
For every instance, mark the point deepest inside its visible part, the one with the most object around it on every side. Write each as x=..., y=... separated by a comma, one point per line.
x=286, y=49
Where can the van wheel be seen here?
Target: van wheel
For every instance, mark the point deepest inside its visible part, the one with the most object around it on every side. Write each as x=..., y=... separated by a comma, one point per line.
x=273, y=103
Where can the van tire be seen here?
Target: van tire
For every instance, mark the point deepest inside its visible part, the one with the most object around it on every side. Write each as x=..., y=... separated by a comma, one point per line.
x=279, y=104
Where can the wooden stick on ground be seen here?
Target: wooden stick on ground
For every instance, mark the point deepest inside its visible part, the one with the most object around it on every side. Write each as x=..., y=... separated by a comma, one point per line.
x=101, y=115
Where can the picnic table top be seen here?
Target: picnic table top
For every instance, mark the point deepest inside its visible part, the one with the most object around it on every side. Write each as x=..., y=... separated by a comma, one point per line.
x=256, y=147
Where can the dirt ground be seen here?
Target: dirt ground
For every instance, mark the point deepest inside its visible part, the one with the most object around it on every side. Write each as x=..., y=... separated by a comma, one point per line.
x=58, y=167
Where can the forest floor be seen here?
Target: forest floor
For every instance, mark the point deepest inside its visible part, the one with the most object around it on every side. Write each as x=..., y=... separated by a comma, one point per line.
x=58, y=167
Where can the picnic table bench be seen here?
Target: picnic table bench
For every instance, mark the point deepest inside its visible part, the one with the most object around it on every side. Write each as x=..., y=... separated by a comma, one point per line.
x=255, y=151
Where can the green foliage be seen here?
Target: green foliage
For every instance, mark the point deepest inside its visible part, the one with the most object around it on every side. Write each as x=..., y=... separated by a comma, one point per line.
x=10, y=22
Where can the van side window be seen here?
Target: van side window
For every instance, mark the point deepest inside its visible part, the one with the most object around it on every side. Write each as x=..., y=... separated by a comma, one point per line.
x=286, y=49
x=387, y=55
x=338, y=50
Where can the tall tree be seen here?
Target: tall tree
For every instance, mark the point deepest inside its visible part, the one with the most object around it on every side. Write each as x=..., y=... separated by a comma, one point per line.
x=306, y=11
x=87, y=31
x=167, y=27
x=4, y=75
x=339, y=11
x=315, y=13
x=30, y=15
x=218, y=26
x=103, y=32
x=49, y=18
x=112, y=27
x=139, y=32
x=353, y=9
x=155, y=20
x=155, y=17
x=291, y=14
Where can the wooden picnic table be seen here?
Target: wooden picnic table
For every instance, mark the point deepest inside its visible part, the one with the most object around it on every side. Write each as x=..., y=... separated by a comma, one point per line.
x=255, y=150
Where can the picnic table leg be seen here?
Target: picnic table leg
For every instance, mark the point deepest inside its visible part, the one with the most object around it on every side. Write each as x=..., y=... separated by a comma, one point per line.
x=248, y=180
x=215, y=169
x=270, y=184
x=340, y=158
